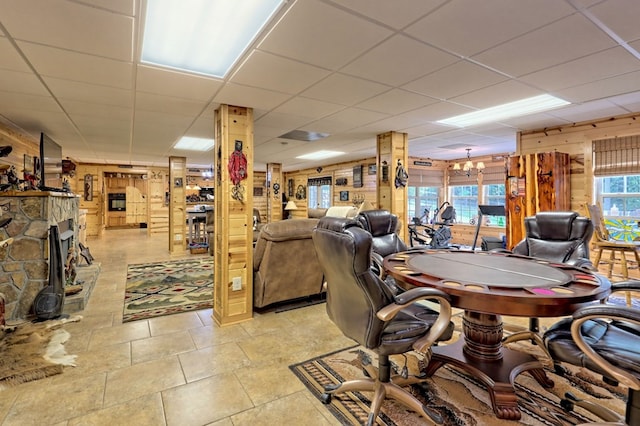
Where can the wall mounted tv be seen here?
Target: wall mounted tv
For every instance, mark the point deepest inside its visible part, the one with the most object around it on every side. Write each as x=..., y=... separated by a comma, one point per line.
x=50, y=164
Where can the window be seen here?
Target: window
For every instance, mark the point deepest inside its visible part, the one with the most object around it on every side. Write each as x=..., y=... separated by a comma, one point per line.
x=422, y=199
x=319, y=192
x=464, y=198
x=494, y=195
x=619, y=195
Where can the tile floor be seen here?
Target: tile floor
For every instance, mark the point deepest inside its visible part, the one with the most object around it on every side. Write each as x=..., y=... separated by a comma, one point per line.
x=175, y=370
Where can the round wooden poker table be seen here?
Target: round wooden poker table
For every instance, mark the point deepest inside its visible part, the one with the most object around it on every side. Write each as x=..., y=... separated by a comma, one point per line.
x=487, y=285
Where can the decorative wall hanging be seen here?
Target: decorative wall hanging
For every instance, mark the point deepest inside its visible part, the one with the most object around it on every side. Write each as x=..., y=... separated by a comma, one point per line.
x=401, y=175
x=385, y=171
x=341, y=181
x=257, y=191
x=371, y=169
x=237, y=171
x=357, y=177
x=301, y=193
x=344, y=195
x=88, y=187
x=290, y=187
x=178, y=182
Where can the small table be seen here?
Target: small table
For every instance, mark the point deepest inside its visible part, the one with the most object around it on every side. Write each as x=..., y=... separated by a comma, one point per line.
x=487, y=285
x=196, y=220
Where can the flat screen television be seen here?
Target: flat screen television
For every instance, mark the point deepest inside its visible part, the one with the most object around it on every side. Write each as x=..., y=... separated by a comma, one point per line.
x=50, y=164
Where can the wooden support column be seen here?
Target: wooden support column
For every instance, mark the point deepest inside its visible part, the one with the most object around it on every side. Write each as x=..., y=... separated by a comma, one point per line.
x=391, y=148
x=177, y=204
x=233, y=242
x=274, y=197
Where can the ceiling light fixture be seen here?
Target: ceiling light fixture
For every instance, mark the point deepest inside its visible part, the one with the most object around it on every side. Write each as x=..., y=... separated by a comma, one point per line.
x=190, y=143
x=202, y=36
x=468, y=166
x=504, y=111
x=320, y=155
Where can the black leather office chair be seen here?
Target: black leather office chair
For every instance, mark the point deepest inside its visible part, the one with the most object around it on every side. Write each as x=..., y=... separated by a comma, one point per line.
x=605, y=339
x=383, y=227
x=561, y=237
x=366, y=311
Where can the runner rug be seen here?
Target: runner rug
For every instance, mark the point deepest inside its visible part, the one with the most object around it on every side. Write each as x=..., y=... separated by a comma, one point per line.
x=166, y=288
x=459, y=398
x=32, y=351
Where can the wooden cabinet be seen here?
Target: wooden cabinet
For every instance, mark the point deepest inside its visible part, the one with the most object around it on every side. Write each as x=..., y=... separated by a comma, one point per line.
x=116, y=219
x=535, y=183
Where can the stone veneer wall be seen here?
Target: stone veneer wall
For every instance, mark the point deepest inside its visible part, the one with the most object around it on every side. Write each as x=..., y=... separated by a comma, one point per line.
x=24, y=266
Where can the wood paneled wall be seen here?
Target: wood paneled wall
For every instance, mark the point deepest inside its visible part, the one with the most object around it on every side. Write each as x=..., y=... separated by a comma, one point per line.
x=576, y=140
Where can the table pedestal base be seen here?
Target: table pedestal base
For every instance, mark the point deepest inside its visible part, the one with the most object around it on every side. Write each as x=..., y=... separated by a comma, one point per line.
x=480, y=353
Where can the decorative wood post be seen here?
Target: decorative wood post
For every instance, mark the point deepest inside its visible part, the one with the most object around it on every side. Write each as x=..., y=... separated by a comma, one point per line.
x=535, y=183
x=233, y=241
x=275, y=188
x=177, y=204
x=392, y=153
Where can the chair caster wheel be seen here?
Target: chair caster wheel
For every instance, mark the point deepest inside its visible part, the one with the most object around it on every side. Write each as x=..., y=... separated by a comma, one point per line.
x=325, y=398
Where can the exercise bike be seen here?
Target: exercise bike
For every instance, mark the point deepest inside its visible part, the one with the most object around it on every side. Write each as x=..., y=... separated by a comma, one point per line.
x=427, y=234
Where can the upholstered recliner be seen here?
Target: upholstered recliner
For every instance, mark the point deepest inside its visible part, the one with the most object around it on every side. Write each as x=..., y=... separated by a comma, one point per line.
x=561, y=237
x=362, y=307
x=285, y=265
x=605, y=339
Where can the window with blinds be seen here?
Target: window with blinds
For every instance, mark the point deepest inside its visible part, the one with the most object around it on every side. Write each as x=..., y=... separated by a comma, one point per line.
x=616, y=156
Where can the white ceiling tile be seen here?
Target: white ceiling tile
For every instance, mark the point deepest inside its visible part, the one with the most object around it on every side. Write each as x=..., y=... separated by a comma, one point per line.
x=396, y=101
x=396, y=14
x=96, y=110
x=21, y=82
x=309, y=26
x=578, y=113
x=620, y=16
x=12, y=100
x=70, y=25
x=344, y=89
x=600, y=89
x=69, y=65
x=468, y=27
x=125, y=7
x=559, y=42
x=398, y=61
x=497, y=94
x=252, y=97
x=584, y=70
x=306, y=107
x=174, y=83
x=275, y=73
x=91, y=93
x=454, y=80
x=11, y=59
x=169, y=105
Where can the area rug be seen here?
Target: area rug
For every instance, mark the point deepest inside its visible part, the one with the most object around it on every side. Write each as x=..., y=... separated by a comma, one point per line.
x=165, y=288
x=32, y=351
x=459, y=398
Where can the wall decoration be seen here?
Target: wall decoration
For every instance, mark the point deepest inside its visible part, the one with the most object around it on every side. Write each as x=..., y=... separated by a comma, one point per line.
x=290, y=188
x=177, y=182
x=301, y=192
x=341, y=181
x=401, y=175
x=371, y=169
x=357, y=177
x=88, y=187
x=385, y=171
x=257, y=191
x=344, y=195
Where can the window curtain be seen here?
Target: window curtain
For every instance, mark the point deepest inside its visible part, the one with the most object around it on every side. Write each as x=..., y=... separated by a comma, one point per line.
x=319, y=181
x=461, y=177
x=494, y=175
x=425, y=177
x=616, y=156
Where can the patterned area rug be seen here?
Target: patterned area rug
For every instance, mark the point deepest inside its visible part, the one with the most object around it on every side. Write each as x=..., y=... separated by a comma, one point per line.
x=459, y=398
x=165, y=288
x=32, y=351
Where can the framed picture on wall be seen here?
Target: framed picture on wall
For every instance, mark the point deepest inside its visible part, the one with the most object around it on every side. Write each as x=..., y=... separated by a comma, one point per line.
x=357, y=177
x=372, y=169
x=344, y=195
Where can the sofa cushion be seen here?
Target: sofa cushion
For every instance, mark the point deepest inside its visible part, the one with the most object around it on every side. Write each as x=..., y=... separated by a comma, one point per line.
x=316, y=213
x=342, y=211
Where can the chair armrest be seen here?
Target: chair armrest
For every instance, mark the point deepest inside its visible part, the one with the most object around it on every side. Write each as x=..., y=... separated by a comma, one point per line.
x=583, y=263
x=407, y=298
x=630, y=285
x=377, y=260
x=592, y=312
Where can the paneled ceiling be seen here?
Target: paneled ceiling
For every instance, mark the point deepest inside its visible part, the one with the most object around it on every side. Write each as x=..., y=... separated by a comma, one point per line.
x=350, y=68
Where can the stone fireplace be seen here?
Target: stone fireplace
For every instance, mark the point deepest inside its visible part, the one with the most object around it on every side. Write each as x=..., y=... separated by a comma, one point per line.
x=25, y=264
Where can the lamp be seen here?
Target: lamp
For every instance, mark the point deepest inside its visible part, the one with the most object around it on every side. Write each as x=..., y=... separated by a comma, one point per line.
x=291, y=205
x=468, y=165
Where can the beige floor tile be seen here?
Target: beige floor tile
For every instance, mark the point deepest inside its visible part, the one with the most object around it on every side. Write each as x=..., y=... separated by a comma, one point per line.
x=172, y=323
x=264, y=384
x=121, y=333
x=133, y=382
x=161, y=346
x=274, y=345
x=113, y=357
x=205, y=401
x=146, y=410
x=206, y=316
x=212, y=335
x=266, y=323
x=57, y=402
x=212, y=361
x=280, y=412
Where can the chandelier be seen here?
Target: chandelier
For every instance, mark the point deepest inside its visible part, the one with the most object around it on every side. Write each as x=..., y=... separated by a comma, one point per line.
x=468, y=165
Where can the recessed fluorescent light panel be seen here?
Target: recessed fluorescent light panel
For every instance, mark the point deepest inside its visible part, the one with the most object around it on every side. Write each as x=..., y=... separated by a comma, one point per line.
x=202, y=36
x=502, y=112
x=320, y=155
x=190, y=143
